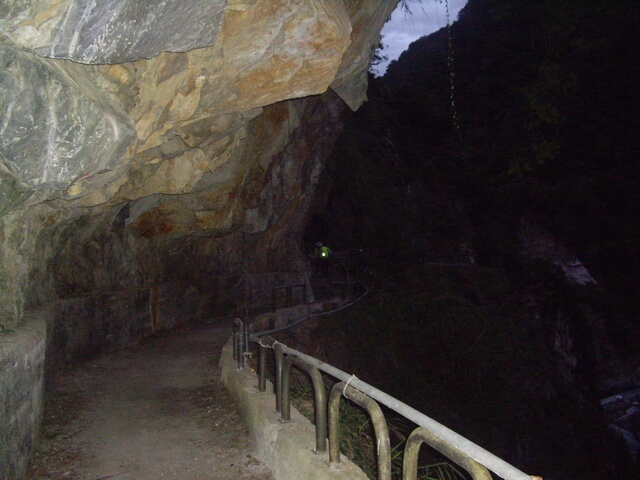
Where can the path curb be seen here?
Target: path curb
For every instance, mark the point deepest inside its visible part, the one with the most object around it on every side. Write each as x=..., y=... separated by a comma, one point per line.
x=287, y=448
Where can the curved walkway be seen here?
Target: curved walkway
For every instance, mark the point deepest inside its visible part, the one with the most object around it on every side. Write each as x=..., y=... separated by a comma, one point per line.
x=153, y=411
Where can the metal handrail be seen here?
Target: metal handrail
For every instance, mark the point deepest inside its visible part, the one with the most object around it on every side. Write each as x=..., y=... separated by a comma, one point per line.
x=315, y=315
x=421, y=435
x=319, y=398
x=289, y=293
x=458, y=448
x=377, y=420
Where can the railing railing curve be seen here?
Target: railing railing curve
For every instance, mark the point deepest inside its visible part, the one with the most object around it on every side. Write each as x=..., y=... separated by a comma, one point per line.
x=377, y=420
x=475, y=459
x=319, y=398
x=422, y=435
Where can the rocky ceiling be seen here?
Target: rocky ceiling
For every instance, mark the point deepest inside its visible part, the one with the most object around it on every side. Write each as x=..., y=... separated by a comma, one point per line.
x=141, y=141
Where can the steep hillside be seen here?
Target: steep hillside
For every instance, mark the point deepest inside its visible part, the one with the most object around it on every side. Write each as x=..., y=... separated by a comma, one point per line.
x=501, y=234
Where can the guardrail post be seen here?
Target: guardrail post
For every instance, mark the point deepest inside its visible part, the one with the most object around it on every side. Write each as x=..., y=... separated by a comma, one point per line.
x=285, y=398
x=241, y=340
x=239, y=350
x=262, y=368
x=457, y=443
x=319, y=399
x=279, y=359
x=422, y=435
x=245, y=336
x=235, y=345
x=377, y=419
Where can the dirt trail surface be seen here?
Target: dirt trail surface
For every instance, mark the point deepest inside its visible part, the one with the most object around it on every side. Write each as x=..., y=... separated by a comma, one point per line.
x=153, y=411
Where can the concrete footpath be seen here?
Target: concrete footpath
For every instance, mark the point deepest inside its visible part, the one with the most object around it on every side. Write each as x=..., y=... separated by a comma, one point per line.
x=156, y=410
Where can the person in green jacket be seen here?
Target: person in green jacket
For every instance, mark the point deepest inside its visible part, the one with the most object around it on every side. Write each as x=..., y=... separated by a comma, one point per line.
x=322, y=255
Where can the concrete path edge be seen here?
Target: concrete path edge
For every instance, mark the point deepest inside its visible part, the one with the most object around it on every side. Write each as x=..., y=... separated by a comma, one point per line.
x=287, y=448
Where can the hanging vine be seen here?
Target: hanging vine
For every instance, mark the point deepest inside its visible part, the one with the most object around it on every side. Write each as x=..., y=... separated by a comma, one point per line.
x=452, y=73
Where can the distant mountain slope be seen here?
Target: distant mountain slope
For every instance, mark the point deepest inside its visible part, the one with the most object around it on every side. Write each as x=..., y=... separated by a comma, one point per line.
x=547, y=102
x=489, y=215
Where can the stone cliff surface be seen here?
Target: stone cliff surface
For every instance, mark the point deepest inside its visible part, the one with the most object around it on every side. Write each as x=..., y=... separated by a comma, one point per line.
x=151, y=155
x=140, y=144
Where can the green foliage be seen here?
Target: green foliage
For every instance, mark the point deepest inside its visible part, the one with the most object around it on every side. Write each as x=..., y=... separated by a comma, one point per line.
x=548, y=107
x=357, y=440
x=545, y=97
x=378, y=55
x=302, y=394
x=440, y=471
x=357, y=437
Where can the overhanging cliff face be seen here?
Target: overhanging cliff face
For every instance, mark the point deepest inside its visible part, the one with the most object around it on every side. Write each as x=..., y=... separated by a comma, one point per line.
x=143, y=145
x=150, y=154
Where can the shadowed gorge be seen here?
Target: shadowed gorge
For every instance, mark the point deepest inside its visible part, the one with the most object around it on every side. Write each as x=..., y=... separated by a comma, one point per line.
x=501, y=234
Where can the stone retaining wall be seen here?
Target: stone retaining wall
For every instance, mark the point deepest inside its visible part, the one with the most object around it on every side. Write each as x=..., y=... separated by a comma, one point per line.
x=22, y=356
x=87, y=325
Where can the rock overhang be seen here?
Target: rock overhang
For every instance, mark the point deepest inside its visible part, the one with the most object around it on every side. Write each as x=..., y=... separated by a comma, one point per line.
x=149, y=156
x=190, y=103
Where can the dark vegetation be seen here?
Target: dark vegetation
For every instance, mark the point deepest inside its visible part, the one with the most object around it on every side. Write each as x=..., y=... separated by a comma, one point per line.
x=463, y=324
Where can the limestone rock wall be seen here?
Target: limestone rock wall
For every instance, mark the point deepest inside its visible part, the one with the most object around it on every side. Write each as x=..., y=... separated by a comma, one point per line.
x=146, y=143
x=151, y=153
x=22, y=357
x=56, y=126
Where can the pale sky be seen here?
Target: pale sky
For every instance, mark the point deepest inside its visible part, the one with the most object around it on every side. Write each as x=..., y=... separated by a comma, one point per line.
x=426, y=17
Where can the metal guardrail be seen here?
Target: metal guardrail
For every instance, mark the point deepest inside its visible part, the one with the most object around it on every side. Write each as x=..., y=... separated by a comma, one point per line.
x=377, y=420
x=286, y=295
x=477, y=461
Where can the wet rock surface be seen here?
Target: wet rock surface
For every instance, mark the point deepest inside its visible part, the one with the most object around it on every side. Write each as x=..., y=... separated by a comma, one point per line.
x=156, y=410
